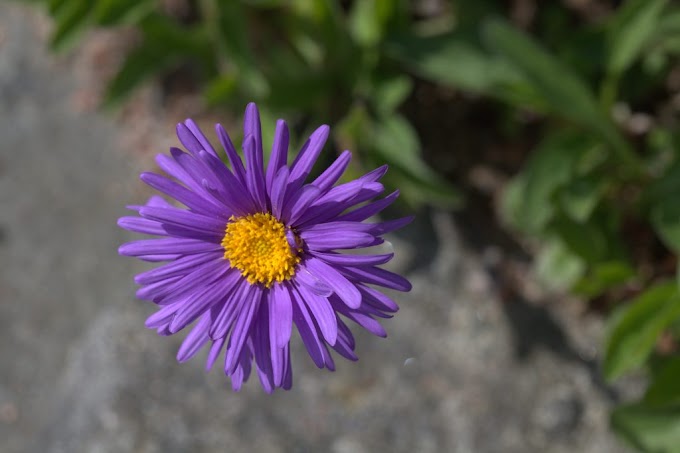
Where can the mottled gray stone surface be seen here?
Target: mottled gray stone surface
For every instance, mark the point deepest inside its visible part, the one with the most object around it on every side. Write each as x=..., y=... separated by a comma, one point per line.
x=460, y=371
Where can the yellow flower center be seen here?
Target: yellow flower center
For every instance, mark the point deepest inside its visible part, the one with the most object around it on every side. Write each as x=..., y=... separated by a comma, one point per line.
x=256, y=245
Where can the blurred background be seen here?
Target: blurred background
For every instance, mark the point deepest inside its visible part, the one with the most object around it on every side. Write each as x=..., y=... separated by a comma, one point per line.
x=536, y=141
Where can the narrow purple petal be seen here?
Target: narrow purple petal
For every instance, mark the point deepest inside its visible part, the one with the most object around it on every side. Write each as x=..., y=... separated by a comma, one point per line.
x=196, y=339
x=259, y=341
x=331, y=175
x=323, y=313
x=167, y=246
x=184, y=195
x=353, y=260
x=254, y=175
x=305, y=160
x=241, y=327
x=279, y=153
x=377, y=276
x=141, y=225
x=214, y=353
x=318, y=287
x=229, y=309
x=297, y=204
x=198, y=134
x=186, y=219
x=251, y=126
x=346, y=290
x=161, y=317
x=308, y=330
x=371, y=209
x=188, y=140
x=377, y=299
x=345, y=342
x=347, y=240
x=280, y=315
x=170, y=166
x=382, y=228
x=278, y=191
x=338, y=227
x=232, y=155
x=203, y=300
x=180, y=267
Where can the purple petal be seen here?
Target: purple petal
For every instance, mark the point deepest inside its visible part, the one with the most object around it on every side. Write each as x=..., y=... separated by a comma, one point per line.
x=251, y=126
x=377, y=276
x=232, y=155
x=203, y=300
x=280, y=315
x=377, y=299
x=345, y=342
x=308, y=330
x=188, y=140
x=318, y=287
x=339, y=284
x=167, y=246
x=279, y=153
x=254, y=176
x=195, y=340
x=278, y=191
x=371, y=209
x=214, y=352
x=184, y=195
x=331, y=175
x=323, y=313
x=353, y=260
x=141, y=225
x=241, y=328
x=297, y=205
x=174, y=169
x=382, y=228
x=305, y=160
x=186, y=219
x=230, y=308
x=198, y=134
x=180, y=267
x=346, y=240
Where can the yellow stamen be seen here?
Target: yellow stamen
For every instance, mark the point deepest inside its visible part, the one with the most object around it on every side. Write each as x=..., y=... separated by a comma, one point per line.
x=256, y=245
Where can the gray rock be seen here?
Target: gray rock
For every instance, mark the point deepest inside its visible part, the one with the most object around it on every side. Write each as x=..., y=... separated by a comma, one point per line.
x=80, y=372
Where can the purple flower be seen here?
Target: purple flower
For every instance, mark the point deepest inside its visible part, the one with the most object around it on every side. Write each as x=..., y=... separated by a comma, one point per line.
x=255, y=252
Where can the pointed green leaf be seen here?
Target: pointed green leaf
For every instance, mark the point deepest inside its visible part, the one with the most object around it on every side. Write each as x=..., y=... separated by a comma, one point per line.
x=648, y=429
x=635, y=329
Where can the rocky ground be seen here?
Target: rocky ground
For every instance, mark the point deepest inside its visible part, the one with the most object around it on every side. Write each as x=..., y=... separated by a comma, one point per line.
x=461, y=370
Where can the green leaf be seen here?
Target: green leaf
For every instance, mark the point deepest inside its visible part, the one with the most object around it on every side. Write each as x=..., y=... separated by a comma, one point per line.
x=453, y=59
x=665, y=217
x=580, y=197
x=630, y=30
x=603, y=276
x=635, y=329
x=664, y=211
x=141, y=64
x=389, y=93
x=396, y=142
x=557, y=266
x=587, y=240
x=550, y=167
x=648, y=429
x=664, y=389
x=364, y=23
x=563, y=91
x=71, y=18
x=114, y=12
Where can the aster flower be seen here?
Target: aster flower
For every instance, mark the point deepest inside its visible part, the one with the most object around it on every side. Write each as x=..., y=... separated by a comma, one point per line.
x=255, y=252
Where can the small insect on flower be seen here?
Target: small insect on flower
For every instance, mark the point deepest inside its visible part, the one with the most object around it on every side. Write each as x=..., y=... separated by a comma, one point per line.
x=255, y=252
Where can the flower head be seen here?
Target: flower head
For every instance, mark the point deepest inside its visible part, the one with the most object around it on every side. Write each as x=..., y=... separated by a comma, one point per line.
x=255, y=251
